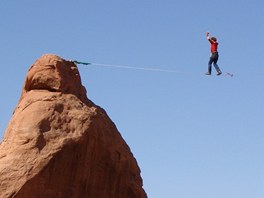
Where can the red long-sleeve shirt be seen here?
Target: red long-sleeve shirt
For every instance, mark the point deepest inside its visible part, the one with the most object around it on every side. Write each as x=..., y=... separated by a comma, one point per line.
x=214, y=45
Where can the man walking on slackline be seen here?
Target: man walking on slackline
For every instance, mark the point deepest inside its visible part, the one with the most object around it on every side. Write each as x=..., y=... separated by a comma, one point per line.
x=214, y=55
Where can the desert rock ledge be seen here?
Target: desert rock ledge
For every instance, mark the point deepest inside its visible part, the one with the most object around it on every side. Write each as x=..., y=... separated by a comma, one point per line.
x=59, y=144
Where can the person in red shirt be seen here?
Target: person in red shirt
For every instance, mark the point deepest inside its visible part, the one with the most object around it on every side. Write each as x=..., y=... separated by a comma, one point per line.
x=214, y=55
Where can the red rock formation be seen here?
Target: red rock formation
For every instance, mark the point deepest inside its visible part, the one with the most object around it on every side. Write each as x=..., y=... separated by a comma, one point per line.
x=58, y=144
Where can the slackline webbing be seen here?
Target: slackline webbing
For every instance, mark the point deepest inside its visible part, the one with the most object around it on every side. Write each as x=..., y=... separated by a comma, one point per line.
x=136, y=68
x=128, y=67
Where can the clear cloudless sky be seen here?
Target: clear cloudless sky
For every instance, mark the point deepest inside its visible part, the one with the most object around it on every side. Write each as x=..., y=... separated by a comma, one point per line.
x=194, y=136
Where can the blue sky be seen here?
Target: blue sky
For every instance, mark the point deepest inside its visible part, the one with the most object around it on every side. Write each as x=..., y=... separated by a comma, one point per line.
x=192, y=135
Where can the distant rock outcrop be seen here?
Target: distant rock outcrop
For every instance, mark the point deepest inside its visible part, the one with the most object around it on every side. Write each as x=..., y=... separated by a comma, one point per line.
x=59, y=144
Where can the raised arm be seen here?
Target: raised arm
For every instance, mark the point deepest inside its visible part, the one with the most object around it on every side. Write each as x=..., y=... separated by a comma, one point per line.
x=207, y=35
x=210, y=39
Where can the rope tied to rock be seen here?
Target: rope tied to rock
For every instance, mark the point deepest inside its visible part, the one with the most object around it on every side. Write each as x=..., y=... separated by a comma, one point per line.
x=136, y=68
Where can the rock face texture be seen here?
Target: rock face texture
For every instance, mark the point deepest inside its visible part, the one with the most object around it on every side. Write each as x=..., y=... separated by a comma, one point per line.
x=59, y=144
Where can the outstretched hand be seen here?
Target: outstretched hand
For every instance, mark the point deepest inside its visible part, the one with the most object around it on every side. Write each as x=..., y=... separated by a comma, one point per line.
x=207, y=34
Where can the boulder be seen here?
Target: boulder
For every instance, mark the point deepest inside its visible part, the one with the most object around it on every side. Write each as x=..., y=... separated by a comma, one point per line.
x=59, y=144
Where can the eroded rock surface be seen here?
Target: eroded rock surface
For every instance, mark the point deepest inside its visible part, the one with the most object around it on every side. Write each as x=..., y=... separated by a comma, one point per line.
x=59, y=144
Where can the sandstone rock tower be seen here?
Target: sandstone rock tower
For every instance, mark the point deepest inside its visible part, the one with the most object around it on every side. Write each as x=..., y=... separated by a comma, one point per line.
x=59, y=144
